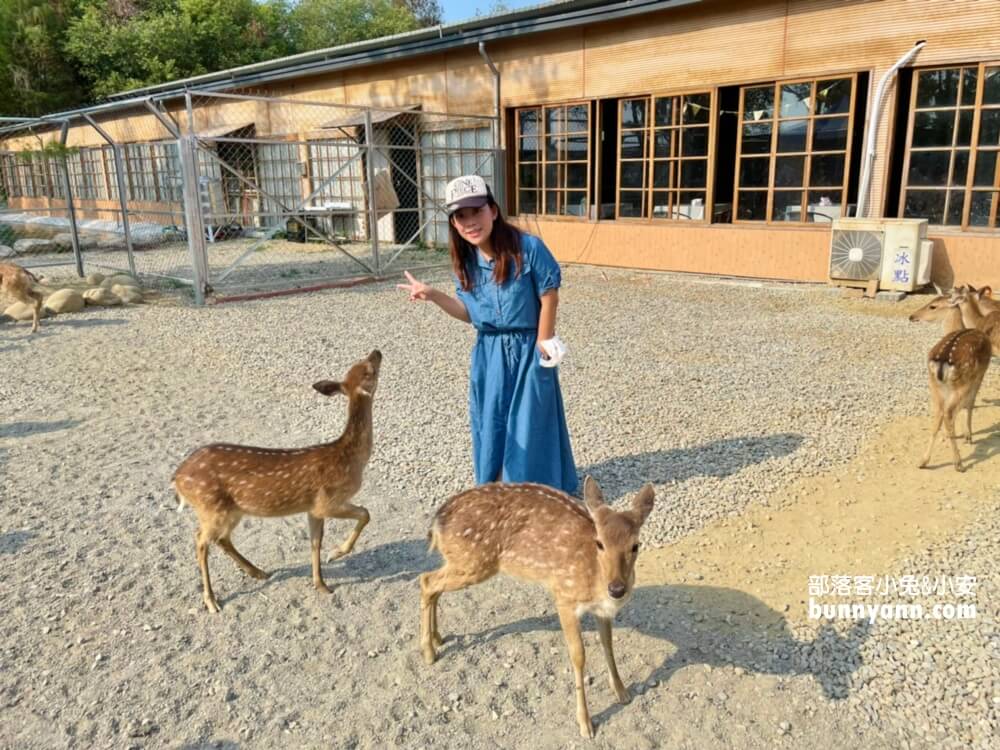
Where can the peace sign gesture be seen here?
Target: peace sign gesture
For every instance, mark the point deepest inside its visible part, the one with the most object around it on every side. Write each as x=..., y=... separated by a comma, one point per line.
x=418, y=290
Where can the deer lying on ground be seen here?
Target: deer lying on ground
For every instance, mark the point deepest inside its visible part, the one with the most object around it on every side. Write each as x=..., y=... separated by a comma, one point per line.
x=586, y=560
x=17, y=283
x=225, y=482
x=955, y=368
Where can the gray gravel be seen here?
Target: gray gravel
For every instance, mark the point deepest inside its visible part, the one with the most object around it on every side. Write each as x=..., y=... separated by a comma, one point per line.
x=717, y=393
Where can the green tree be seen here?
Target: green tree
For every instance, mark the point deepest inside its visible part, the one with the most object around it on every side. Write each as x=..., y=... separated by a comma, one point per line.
x=125, y=44
x=330, y=23
x=35, y=77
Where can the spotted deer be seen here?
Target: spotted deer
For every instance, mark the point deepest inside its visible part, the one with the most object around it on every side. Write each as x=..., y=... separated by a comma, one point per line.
x=974, y=316
x=225, y=482
x=584, y=557
x=18, y=283
x=955, y=368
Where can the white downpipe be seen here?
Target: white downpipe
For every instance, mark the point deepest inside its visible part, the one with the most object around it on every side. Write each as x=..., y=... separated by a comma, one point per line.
x=866, y=169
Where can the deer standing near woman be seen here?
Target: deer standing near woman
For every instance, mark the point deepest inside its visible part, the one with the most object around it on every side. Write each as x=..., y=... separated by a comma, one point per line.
x=530, y=531
x=225, y=482
x=18, y=283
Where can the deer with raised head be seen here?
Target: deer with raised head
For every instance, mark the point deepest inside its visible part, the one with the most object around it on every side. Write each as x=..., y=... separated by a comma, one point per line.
x=940, y=308
x=955, y=369
x=974, y=316
x=584, y=557
x=225, y=482
x=18, y=283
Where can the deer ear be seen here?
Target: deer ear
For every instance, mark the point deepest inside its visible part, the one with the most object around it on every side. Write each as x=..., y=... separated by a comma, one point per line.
x=328, y=387
x=592, y=495
x=986, y=291
x=642, y=504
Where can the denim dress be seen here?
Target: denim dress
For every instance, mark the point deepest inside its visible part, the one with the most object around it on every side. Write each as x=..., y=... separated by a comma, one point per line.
x=516, y=410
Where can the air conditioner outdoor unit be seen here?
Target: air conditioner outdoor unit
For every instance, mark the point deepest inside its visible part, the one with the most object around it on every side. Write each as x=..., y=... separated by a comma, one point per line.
x=894, y=252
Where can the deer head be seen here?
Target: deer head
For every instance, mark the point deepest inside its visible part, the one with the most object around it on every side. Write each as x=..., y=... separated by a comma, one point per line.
x=361, y=379
x=617, y=536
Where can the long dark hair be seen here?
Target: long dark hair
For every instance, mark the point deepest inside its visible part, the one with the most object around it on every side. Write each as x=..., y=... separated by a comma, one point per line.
x=506, y=241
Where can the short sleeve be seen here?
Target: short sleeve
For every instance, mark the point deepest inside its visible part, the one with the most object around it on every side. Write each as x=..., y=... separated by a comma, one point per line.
x=544, y=267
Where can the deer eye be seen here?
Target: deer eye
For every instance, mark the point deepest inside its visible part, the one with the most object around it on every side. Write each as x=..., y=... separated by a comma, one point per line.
x=635, y=548
x=600, y=546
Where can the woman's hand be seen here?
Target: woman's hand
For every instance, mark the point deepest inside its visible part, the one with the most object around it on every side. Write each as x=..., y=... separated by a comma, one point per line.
x=419, y=291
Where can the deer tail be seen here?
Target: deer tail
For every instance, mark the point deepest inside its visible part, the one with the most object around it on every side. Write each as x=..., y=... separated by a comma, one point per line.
x=180, y=498
x=432, y=539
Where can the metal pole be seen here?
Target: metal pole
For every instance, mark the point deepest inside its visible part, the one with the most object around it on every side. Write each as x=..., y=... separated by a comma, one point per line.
x=116, y=151
x=372, y=208
x=192, y=216
x=74, y=236
x=499, y=189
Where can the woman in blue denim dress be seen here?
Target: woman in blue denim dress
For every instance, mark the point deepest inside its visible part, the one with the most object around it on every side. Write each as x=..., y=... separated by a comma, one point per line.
x=506, y=285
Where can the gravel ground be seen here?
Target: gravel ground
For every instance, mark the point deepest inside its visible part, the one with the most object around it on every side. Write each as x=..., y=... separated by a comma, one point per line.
x=720, y=394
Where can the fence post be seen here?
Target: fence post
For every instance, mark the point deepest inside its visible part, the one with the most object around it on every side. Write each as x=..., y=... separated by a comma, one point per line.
x=372, y=207
x=71, y=210
x=187, y=147
x=116, y=152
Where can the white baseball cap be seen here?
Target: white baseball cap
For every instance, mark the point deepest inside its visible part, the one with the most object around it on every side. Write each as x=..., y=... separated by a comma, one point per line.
x=468, y=191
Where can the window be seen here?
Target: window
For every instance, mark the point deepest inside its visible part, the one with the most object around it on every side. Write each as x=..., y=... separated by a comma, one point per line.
x=139, y=169
x=553, y=160
x=280, y=175
x=445, y=155
x=664, y=150
x=111, y=176
x=343, y=189
x=950, y=175
x=167, y=165
x=85, y=175
x=793, y=150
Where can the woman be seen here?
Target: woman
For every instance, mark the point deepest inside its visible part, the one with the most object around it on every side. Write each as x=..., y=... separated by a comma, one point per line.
x=506, y=285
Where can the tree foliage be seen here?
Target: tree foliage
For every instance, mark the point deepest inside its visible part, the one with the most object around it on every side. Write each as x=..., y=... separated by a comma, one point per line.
x=59, y=53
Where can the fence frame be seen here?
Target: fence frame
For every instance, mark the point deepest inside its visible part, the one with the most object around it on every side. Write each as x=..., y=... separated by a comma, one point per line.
x=195, y=145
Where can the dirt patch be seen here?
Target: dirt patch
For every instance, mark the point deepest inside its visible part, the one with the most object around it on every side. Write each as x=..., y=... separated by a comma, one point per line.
x=859, y=520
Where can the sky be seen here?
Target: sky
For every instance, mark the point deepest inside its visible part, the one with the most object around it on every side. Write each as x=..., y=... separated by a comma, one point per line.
x=459, y=10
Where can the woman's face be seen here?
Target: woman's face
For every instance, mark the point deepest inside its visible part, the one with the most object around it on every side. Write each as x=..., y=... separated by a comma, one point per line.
x=475, y=225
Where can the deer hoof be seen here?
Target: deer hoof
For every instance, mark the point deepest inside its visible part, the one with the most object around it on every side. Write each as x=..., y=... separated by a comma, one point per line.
x=212, y=605
x=260, y=575
x=320, y=586
x=587, y=729
x=336, y=555
x=437, y=640
x=624, y=696
x=429, y=656
x=959, y=467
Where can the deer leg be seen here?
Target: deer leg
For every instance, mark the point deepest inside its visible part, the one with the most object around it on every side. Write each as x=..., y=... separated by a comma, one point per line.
x=432, y=585
x=201, y=547
x=949, y=426
x=248, y=567
x=574, y=644
x=316, y=540
x=35, y=311
x=970, y=405
x=349, y=511
x=604, y=628
x=938, y=417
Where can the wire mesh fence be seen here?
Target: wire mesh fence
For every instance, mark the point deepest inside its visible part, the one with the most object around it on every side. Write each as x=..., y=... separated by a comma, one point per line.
x=232, y=193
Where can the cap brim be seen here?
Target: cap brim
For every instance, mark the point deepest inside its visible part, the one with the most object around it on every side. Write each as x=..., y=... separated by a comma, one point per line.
x=476, y=201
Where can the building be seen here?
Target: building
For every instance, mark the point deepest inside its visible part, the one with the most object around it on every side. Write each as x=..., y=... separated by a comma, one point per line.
x=708, y=136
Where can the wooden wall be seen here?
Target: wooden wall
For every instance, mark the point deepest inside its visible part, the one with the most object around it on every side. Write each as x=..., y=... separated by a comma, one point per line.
x=713, y=43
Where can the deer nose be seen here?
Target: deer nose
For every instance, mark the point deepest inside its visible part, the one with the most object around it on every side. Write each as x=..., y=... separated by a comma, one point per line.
x=616, y=589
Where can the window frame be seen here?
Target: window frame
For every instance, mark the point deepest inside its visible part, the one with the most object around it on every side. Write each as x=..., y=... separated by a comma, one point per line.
x=543, y=161
x=773, y=154
x=649, y=160
x=973, y=149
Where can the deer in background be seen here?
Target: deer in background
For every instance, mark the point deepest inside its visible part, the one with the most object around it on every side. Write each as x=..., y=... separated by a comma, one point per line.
x=955, y=368
x=18, y=283
x=529, y=531
x=968, y=302
x=225, y=482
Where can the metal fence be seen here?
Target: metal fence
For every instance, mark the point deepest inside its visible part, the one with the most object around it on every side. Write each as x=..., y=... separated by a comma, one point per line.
x=235, y=193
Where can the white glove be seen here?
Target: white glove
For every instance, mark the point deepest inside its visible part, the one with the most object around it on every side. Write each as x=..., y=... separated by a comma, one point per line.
x=555, y=349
